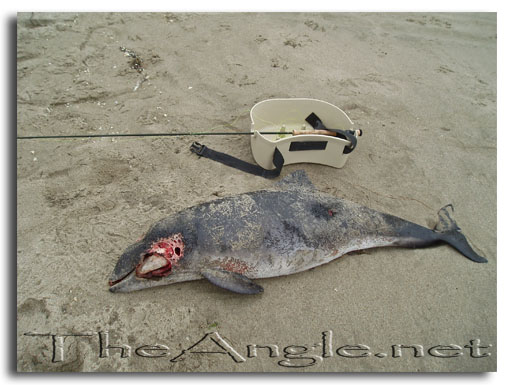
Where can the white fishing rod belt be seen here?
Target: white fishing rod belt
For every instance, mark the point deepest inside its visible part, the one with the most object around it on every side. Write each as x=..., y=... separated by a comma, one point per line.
x=287, y=131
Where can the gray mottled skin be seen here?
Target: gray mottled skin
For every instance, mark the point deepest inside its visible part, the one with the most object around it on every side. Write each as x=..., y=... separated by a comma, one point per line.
x=289, y=228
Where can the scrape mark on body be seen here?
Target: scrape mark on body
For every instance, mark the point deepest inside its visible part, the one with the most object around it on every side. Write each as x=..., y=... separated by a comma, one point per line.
x=234, y=265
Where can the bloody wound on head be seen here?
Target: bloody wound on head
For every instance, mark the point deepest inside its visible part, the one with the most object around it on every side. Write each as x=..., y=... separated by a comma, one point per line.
x=161, y=257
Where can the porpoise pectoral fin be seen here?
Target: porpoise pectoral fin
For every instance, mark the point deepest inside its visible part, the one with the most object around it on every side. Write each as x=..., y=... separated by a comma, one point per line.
x=229, y=280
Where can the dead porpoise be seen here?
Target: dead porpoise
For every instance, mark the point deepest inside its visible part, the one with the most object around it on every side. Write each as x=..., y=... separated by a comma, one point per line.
x=282, y=230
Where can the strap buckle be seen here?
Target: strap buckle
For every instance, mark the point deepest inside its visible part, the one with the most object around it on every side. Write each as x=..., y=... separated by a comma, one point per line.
x=197, y=148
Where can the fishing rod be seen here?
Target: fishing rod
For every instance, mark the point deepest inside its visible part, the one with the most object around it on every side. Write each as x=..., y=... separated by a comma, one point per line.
x=294, y=133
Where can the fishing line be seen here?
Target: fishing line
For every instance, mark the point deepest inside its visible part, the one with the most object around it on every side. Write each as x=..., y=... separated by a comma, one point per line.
x=147, y=135
x=85, y=136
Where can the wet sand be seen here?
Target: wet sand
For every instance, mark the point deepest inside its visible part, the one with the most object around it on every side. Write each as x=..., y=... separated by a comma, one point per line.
x=421, y=86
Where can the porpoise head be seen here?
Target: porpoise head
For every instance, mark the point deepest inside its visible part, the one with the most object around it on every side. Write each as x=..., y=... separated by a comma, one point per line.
x=151, y=263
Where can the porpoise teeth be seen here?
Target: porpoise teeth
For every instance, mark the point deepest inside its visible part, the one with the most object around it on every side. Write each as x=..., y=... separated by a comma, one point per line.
x=152, y=263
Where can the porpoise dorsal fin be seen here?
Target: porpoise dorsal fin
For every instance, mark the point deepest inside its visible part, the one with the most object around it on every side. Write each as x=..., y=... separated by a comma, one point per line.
x=296, y=180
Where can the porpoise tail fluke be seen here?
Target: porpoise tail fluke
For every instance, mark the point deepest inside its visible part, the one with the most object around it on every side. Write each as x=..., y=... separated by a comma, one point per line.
x=450, y=233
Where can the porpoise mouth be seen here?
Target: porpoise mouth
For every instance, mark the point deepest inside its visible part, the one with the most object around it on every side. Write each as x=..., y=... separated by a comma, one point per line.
x=112, y=283
x=151, y=266
x=128, y=283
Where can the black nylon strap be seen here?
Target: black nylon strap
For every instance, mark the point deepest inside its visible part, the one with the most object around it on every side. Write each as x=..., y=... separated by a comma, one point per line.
x=228, y=160
x=317, y=124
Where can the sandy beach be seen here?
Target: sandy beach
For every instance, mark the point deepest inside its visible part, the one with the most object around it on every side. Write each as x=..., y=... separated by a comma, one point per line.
x=422, y=87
